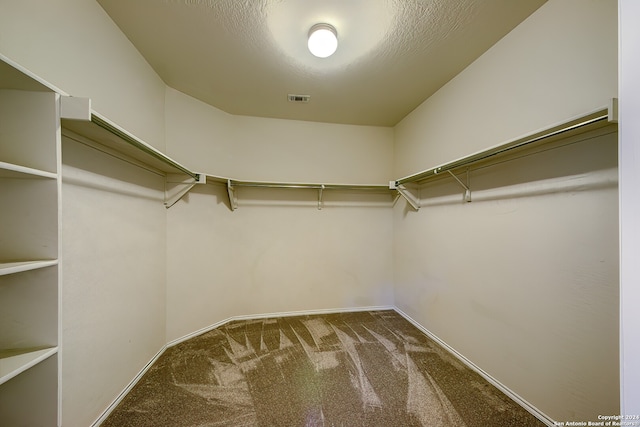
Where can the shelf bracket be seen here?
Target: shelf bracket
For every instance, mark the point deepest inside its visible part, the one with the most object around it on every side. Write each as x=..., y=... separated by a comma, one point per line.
x=178, y=185
x=402, y=190
x=467, y=191
x=612, y=110
x=73, y=108
x=233, y=201
x=320, y=190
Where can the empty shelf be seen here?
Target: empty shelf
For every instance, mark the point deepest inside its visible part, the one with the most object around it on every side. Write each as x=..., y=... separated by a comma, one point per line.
x=106, y=133
x=8, y=170
x=14, y=362
x=20, y=266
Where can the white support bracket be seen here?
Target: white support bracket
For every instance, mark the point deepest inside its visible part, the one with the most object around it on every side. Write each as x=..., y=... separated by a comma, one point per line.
x=320, y=190
x=402, y=190
x=612, y=116
x=467, y=191
x=75, y=108
x=233, y=202
x=178, y=185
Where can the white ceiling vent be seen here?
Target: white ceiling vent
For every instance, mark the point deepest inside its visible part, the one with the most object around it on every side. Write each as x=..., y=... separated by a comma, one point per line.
x=299, y=98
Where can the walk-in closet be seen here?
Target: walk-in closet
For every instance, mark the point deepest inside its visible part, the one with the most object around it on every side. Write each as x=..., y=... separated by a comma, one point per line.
x=203, y=222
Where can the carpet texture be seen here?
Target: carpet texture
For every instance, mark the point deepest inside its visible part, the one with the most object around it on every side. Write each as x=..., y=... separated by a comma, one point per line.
x=338, y=370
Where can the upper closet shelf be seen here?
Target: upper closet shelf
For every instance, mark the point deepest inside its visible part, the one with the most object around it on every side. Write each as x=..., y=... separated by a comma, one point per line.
x=8, y=170
x=105, y=132
x=312, y=186
x=14, y=362
x=20, y=266
x=590, y=121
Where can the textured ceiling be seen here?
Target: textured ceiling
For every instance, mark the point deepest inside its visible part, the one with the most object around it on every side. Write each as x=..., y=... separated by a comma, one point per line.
x=246, y=56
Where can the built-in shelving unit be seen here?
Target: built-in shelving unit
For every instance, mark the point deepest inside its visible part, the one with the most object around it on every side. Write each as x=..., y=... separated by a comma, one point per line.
x=29, y=250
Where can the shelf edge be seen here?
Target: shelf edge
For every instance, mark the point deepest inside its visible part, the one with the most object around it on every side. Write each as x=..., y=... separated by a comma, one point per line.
x=31, y=358
x=21, y=266
x=27, y=171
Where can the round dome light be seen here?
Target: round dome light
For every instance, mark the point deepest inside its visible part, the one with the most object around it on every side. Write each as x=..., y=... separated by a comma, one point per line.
x=323, y=40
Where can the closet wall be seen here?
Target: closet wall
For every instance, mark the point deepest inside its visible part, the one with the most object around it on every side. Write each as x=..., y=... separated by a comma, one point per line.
x=113, y=305
x=277, y=252
x=252, y=148
x=523, y=281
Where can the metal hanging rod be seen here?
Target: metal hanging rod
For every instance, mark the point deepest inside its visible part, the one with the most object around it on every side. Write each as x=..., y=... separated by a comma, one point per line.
x=312, y=186
x=601, y=116
x=232, y=184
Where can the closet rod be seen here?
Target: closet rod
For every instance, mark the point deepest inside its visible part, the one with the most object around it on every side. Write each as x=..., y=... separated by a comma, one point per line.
x=260, y=184
x=590, y=119
x=140, y=145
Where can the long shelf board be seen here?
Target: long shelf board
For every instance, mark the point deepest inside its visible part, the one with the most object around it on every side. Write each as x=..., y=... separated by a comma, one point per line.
x=101, y=130
x=9, y=170
x=311, y=186
x=14, y=362
x=20, y=266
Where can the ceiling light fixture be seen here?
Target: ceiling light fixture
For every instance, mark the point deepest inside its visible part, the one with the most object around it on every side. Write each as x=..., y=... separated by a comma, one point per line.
x=323, y=40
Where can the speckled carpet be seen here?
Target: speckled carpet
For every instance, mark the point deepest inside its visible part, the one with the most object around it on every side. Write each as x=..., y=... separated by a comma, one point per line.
x=342, y=370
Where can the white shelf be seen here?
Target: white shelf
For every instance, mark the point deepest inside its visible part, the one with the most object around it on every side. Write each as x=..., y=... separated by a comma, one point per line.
x=14, y=362
x=106, y=133
x=8, y=170
x=20, y=266
x=29, y=399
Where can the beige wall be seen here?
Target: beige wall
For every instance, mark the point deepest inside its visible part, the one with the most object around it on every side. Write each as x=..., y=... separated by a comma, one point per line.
x=253, y=148
x=277, y=252
x=273, y=256
x=113, y=287
x=74, y=45
x=523, y=281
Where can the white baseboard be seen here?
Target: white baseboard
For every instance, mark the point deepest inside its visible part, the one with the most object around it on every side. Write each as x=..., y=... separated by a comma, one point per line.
x=153, y=360
x=514, y=396
x=280, y=314
x=127, y=389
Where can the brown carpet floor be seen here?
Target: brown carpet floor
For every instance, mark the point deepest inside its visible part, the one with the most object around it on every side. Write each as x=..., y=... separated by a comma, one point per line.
x=339, y=370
